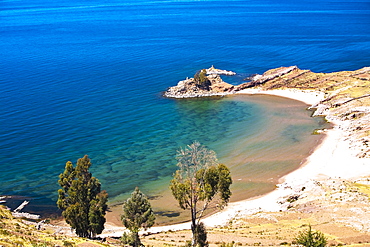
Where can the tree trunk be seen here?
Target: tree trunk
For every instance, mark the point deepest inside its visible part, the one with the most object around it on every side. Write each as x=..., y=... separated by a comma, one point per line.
x=193, y=230
x=136, y=238
x=193, y=227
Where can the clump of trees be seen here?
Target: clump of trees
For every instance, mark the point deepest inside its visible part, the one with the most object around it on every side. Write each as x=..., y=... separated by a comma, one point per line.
x=137, y=214
x=83, y=203
x=199, y=180
x=201, y=80
x=309, y=238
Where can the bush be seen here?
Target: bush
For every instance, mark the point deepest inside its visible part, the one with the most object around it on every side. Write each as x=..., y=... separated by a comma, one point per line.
x=187, y=244
x=201, y=79
x=68, y=244
x=127, y=239
x=201, y=235
x=309, y=238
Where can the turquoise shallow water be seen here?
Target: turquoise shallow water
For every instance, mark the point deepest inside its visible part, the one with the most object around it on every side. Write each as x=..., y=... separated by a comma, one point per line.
x=82, y=77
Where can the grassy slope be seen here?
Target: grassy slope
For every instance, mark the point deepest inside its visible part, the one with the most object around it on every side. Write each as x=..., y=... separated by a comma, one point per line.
x=336, y=85
x=15, y=232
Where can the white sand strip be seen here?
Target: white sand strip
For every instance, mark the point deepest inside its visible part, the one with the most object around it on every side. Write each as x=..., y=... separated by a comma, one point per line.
x=308, y=97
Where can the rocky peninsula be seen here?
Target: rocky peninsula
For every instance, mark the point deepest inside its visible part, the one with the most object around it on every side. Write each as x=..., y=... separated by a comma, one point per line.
x=190, y=87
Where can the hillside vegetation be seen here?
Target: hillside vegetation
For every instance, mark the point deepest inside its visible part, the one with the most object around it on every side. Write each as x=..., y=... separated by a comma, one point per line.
x=17, y=232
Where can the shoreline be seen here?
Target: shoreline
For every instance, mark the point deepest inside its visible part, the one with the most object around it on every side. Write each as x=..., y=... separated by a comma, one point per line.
x=308, y=97
x=331, y=159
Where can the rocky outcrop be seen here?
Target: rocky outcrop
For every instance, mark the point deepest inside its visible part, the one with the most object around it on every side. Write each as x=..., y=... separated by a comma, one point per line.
x=269, y=75
x=213, y=71
x=189, y=88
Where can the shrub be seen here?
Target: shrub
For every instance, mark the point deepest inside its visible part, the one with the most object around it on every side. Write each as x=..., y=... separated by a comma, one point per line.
x=127, y=239
x=201, y=235
x=309, y=238
x=201, y=79
x=68, y=244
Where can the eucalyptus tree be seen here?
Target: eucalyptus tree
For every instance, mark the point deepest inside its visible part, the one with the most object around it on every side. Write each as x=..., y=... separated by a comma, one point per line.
x=199, y=180
x=83, y=203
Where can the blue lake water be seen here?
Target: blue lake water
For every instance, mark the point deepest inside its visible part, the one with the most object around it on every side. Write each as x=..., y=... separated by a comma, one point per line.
x=85, y=77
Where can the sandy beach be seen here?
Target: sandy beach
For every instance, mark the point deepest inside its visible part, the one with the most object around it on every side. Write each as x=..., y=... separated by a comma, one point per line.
x=332, y=159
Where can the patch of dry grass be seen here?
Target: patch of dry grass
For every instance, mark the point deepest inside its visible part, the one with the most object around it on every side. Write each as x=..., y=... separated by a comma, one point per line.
x=337, y=211
x=17, y=232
